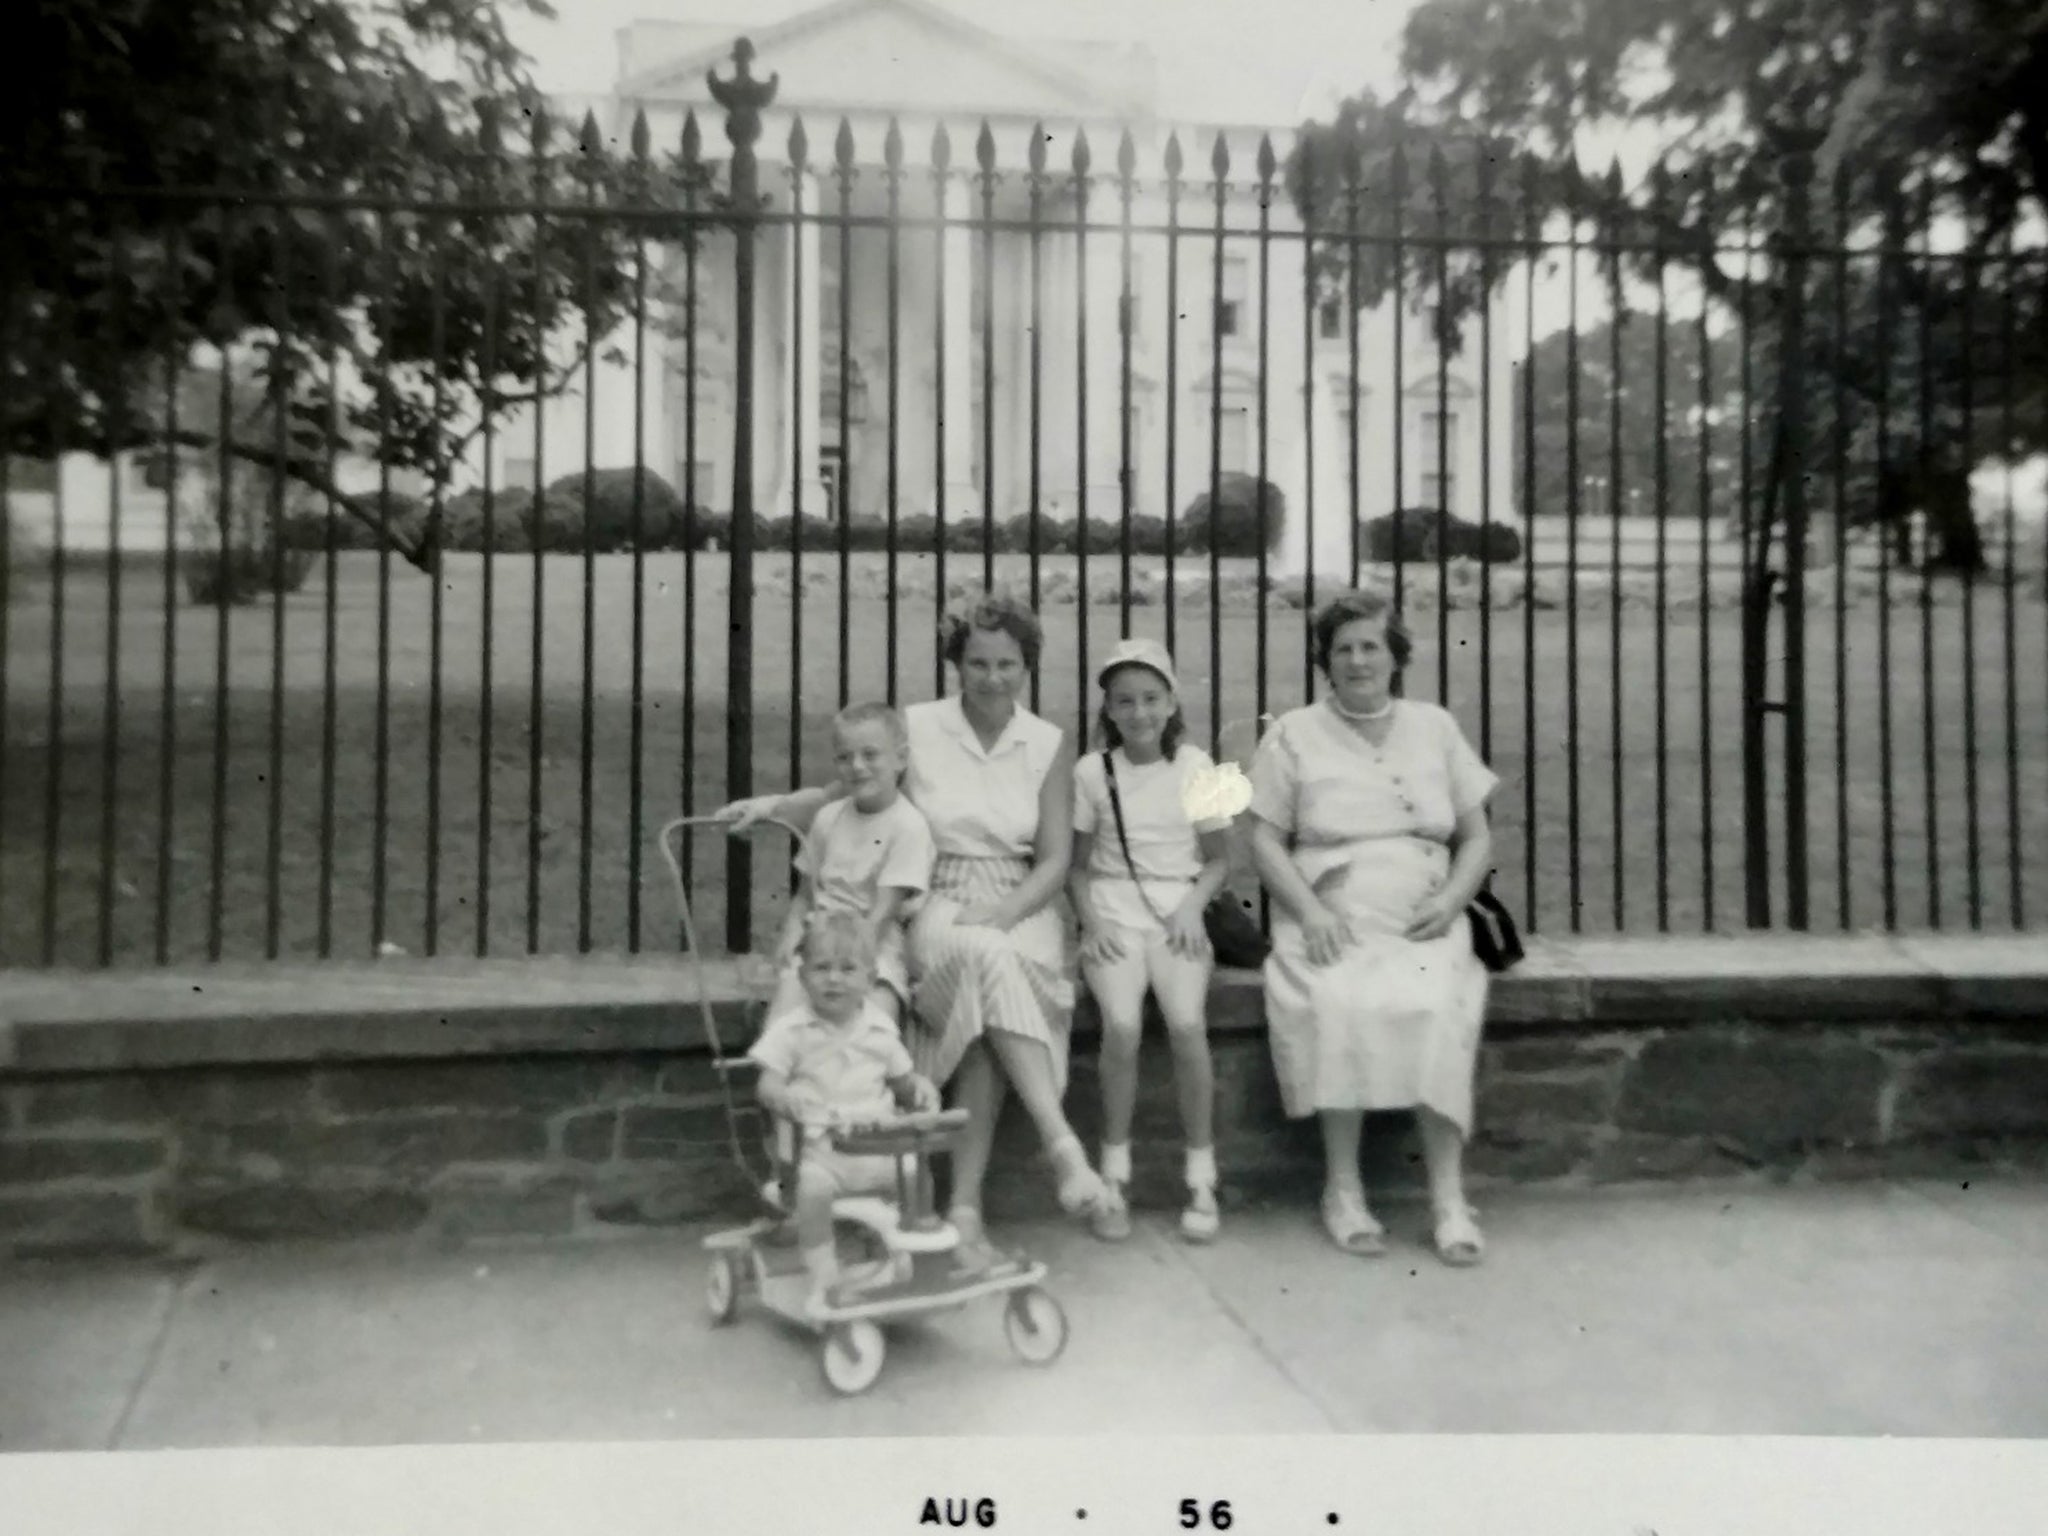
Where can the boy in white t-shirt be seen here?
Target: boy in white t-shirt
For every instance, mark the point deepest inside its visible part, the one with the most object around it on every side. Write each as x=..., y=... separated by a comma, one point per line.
x=870, y=853
x=1140, y=889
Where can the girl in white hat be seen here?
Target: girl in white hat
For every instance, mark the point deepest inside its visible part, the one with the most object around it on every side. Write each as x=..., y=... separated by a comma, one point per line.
x=1149, y=854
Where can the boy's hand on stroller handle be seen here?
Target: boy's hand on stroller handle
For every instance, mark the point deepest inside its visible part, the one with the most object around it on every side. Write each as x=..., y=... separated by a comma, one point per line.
x=741, y=815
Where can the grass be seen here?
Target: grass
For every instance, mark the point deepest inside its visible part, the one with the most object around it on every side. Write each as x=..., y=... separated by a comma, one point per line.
x=412, y=857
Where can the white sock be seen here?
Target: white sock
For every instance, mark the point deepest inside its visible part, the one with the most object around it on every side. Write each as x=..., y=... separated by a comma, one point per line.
x=1201, y=1167
x=1116, y=1162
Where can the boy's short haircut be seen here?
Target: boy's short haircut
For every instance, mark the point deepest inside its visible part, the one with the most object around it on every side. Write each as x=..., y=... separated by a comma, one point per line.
x=869, y=712
x=841, y=933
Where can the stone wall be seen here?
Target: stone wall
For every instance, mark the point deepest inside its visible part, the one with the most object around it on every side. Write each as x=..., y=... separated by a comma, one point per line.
x=134, y=1129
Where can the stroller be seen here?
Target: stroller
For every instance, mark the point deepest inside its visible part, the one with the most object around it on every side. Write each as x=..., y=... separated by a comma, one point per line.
x=899, y=1257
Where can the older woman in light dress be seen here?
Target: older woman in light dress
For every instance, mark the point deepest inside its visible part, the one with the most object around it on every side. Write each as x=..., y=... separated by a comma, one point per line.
x=1368, y=825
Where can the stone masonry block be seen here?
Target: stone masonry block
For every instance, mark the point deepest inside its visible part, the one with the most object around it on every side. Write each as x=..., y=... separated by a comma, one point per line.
x=64, y=1225
x=1975, y=1093
x=590, y=1136
x=1633, y=1156
x=408, y=1144
x=468, y=1207
x=666, y=1131
x=1767, y=1091
x=1525, y=1058
x=483, y=1086
x=257, y=1212
x=49, y=1159
x=1528, y=1107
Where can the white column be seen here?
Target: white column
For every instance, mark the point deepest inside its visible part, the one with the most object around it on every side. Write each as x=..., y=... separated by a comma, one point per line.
x=801, y=361
x=963, y=489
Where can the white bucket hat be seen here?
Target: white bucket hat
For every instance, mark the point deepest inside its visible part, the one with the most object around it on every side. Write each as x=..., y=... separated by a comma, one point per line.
x=1132, y=652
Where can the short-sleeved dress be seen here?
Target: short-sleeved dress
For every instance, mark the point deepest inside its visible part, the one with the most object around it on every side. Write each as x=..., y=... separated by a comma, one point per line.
x=982, y=807
x=1393, y=1023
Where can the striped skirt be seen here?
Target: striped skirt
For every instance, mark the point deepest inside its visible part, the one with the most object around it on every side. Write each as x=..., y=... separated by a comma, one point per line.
x=969, y=981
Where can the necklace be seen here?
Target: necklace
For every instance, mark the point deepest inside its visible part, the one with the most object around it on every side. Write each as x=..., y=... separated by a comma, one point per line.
x=1381, y=713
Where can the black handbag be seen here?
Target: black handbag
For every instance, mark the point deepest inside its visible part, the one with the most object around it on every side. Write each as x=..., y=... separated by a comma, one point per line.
x=1234, y=935
x=1494, y=939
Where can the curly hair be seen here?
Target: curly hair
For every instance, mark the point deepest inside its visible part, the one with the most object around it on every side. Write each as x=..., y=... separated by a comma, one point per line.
x=992, y=610
x=1349, y=608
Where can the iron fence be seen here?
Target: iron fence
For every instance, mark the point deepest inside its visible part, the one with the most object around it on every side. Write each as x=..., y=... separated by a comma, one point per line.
x=285, y=668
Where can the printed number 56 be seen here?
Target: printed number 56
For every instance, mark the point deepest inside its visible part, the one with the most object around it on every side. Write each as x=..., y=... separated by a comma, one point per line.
x=1191, y=1517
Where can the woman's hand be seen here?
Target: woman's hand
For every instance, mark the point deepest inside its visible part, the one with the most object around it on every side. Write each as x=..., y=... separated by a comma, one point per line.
x=1186, y=934
x=1433, y=919
x=1324, y=935
x=984, y=914
x=742, y=814
x=1100, y=945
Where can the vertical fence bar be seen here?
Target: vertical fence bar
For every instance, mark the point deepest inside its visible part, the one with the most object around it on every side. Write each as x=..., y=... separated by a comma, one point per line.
x=7, y=346
x=1660, y=202
x=692, y=168
x=1354, y=302
x=1970, y=262
x=537, y=641
x=1617, y=510
x=330, y=610
x=167, y=718
x=1482, y=173
x=53, y=782
x=1889, y=259
x=1709, y=211
x=436, y=230
x=1573, y=490
x=1397, y=415
x=110, y=725
x=1756, y=824
x=1442, y=513
x=382, y=324
x=799, y=172
x=1797, y=170
x=1173, y=317
x=2008, y=631
x=224, y=516
x=1929, y=728
x=273, y=840
x=1839, y=226
x=892, y=179
x=592, y=146
x=942, y=159
x=1219, y=165
x=637, y=194
x=1035, y=180
x=743, y=98
x=490, y=319
x=843, y=173
x=1080, y=162
x=1126, y=323
x=985, y=162
x=1532, y=233
x=1267, y=164
x=1307, y=511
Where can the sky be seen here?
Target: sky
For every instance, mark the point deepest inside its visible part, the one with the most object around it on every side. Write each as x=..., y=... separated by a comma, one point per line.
x=1219, y=60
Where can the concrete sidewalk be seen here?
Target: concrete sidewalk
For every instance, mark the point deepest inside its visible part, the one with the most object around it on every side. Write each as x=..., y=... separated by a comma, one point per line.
x=1868, y=1309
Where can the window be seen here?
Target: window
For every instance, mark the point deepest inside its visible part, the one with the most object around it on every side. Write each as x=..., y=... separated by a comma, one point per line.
x=1230, y=298
x=1432, y=421
x=1439, y=491
x=1330, y=320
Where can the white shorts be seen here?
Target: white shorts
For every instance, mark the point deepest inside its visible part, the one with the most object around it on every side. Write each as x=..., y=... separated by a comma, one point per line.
x=1149, y=962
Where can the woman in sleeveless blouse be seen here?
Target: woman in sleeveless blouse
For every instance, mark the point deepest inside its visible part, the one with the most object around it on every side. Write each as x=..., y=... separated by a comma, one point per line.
x=1369, y=828
x=990, y=948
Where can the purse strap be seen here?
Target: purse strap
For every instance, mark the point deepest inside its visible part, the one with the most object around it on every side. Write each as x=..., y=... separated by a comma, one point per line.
x=1116, y=809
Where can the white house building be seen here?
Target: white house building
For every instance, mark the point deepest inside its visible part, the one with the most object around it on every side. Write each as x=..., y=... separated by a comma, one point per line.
x=964, y=293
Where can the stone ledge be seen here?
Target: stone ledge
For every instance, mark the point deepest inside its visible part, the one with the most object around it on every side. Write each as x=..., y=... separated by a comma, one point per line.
x=457, y=1008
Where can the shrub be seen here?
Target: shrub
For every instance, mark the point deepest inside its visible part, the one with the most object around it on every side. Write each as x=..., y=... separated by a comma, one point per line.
x=1232, y=526
x=242, y=575
x=1427, y=533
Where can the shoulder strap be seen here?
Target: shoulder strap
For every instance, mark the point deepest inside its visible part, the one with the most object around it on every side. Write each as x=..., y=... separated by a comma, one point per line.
x=1116, y=807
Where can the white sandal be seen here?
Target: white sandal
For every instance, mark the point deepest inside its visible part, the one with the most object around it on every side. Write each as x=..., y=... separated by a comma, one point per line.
x=1459, y=1242
x=1202, y=1219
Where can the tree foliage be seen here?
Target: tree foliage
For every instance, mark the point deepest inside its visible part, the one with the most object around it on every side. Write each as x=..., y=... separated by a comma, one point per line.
x=1786, y=129
x=352, y=198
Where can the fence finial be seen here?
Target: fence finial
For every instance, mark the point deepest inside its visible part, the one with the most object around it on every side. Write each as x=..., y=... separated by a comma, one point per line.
x=985, y=149
x=743, y=96
x=1081, y=158
x=799, y=145
x=842, y=147
x=1035, y=156
x=1173, y=159
x=1219, y=156
x=942, y=150
x=693, y=139
x=640, y=140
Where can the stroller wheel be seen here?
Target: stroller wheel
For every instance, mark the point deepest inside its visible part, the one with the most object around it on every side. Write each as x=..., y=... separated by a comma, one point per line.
x=1035, y=1326
x=722, y=1289
x=852, y=1356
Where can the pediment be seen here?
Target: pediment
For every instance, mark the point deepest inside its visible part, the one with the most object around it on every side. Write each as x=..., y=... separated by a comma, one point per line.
x=896, y=56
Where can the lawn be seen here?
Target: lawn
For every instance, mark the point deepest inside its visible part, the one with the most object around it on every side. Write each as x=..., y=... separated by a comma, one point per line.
x=1645, y=844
